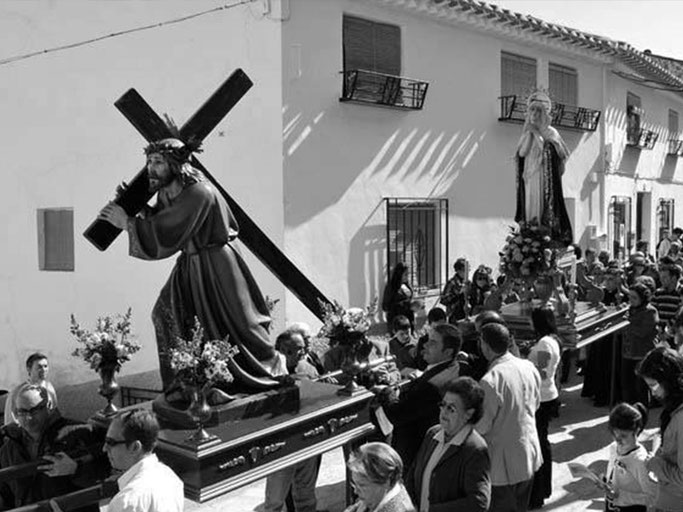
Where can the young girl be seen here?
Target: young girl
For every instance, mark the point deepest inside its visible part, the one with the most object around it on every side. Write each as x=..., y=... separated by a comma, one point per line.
x=632, y=489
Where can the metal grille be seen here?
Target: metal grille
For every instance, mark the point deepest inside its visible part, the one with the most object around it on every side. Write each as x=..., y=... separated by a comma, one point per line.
x=621, y=236
x=417, y=234
x=665, y=213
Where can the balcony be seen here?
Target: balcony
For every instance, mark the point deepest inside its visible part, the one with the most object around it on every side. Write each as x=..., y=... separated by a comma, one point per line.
x=641, y=138
x=675, y=147
x=570, y=117
x=369, y=87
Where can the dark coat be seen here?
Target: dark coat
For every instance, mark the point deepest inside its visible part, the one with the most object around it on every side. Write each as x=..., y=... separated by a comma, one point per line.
x=460, y=480
x=417, y=408
x=60, y=435
x=641, y=332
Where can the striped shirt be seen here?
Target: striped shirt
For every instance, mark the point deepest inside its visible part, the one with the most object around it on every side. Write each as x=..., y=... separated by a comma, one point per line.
x=667, y=303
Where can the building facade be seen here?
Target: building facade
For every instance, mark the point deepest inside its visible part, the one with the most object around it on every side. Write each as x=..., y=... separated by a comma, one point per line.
x=376, y=131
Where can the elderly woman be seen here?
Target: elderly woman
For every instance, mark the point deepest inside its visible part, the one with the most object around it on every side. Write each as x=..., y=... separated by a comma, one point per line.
x=452, y=468
x=376, y=472
x=662, y=371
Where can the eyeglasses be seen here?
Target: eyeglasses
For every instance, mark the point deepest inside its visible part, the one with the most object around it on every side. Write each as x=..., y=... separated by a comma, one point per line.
x=110, y=443
x=33, y=410
x=450, y=408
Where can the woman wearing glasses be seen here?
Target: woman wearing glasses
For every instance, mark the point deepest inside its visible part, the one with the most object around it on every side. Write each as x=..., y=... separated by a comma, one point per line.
x=452, y=469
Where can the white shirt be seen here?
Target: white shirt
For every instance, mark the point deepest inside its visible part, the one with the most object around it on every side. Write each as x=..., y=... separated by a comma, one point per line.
x=148, y=486
x=546, y=356
x=434, y=459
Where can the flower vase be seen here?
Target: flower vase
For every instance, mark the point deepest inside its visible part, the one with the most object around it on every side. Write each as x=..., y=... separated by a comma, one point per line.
x=352, y=367
x=200, y=411
x=109, y=388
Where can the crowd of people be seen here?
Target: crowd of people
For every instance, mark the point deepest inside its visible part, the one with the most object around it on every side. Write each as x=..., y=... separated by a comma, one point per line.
x=462, y=416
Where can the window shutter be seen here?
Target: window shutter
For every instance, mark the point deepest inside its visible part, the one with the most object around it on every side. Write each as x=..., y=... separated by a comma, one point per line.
x=371, y=46
x=563, y=83
x=517, y=75
x=673, y=124
x=56, y=239
x=387, y=49
x=358, y=36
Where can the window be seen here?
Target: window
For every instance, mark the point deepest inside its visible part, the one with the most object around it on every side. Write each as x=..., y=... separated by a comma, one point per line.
x=517, y=75
x=417, y=234
x=673, y=124
x=620, y=235
x=563, y=82
x=634, y=115
x=371, y=46
x=56, y=239
x=665, y=212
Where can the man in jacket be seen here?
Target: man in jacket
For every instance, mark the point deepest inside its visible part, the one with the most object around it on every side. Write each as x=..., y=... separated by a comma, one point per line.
x=512, y=394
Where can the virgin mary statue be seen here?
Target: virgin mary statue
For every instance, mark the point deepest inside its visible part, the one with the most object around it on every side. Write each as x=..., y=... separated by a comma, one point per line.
x=541, y=156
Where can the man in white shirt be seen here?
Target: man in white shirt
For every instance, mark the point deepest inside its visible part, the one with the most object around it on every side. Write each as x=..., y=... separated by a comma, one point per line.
x=37, y=367
x=512, y=394
x=146, y=484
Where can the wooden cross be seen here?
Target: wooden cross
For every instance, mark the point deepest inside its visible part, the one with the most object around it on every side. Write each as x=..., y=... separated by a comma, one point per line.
x=101, y=233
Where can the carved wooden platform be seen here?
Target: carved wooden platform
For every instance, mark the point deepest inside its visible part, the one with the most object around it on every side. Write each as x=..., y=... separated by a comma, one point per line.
x=252, y=448
x=591, y=323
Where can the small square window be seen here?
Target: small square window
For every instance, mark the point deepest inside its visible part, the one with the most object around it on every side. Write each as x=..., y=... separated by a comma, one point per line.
x=56, y=239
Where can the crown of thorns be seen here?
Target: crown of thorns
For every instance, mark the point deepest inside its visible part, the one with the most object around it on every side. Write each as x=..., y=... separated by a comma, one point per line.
x=174, y=149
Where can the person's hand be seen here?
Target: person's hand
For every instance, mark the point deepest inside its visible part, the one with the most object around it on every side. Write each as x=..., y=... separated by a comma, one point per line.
x=115, y=215
x=120, y=190
x=60, y=464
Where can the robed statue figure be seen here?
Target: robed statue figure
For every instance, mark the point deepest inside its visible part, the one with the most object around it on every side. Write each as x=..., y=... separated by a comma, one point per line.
x=541, y=156
x=210, y=280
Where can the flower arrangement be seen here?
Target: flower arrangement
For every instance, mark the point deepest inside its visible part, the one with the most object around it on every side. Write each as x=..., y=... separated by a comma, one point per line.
x=200, y=362
x=109, y=345
x=346, y=326
x=528, y=252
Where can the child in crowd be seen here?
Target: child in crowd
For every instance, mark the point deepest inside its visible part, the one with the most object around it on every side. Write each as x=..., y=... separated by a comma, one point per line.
x=630, y=487
x=402, y=346
x=480, y=289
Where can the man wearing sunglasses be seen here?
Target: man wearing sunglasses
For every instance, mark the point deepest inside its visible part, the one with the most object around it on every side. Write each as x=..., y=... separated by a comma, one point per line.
x=66, y=448
x=146, y=485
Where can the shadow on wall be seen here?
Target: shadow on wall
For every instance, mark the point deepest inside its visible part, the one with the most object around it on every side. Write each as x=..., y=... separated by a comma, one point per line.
x=629, y=160
x=320, y=169
x=367, y=264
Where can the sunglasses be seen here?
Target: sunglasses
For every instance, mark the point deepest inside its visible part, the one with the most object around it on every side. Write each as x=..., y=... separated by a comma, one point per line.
x=33, y=410
x=110, y=443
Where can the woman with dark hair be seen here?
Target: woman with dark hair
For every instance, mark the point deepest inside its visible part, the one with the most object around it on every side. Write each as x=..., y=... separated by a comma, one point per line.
x=398, y=296
x=662, y=371
x=480, y=289
x=639, y=339
x=376, y=476
x=452, y=468
x=545, y=354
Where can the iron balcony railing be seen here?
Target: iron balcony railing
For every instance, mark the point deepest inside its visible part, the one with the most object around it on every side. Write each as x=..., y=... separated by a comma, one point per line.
x=675, y=147
x=361, y=86
x=513, y=110
x=642, y=138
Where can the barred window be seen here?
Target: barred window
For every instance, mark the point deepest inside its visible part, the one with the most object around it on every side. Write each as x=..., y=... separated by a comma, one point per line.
x=56, y=239
x=564, y=84
x=371, y=46
x=666, y=216
x=417, y=234
x=517, y=75
x=621, y=237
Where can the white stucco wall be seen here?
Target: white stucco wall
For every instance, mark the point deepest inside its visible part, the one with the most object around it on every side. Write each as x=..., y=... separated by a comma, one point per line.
x=65, y=145
x=341, y=160
x=633, y=170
